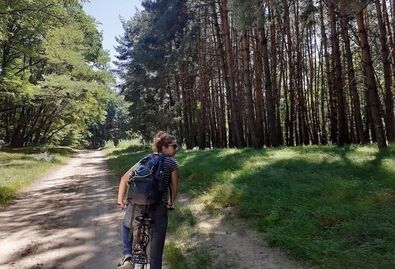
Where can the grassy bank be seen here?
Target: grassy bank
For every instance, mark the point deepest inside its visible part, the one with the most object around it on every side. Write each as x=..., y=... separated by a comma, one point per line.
x=20, y=167
x=334, y=207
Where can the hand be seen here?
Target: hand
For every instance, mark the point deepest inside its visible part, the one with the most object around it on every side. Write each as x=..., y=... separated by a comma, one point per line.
x=169, y=206
x=122, y=204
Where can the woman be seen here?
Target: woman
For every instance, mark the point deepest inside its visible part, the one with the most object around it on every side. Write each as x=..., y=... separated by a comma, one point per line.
x=166, y=145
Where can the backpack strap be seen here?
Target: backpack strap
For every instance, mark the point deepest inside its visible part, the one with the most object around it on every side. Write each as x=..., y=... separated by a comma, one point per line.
x=159, y=170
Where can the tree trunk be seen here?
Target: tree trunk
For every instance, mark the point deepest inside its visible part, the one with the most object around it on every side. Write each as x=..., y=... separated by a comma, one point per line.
x=270, y=100
x=352, y=85
x=258, y=69
x=275, y=88
x=373, y=97
x=324, y=135
x=385, y=55
x=236, y=126
x=291, y=77
x=248, y=90
x=342, y=125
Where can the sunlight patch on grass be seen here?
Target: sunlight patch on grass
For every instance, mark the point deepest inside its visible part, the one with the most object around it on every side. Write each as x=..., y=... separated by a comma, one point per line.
x=221, y=196
x=357, y=159
x=283, y=154
x=226, y=152
x=254, y=163
x=365, y=150
x=389, y=166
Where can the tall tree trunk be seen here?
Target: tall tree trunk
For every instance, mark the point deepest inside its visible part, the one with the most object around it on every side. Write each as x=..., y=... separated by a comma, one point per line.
x=324, y=135
x=236, y=125
x=312, y=85
x=270, y=100
x=390, y=37
x=303, y=133
x=203, y=88
x=224, y=70
x=343, y=133
x=373, y=97
x=258, y=69
x=352, y=84
x=248, y=90
x=388, y=99
x=275, y=88
x=291, y=77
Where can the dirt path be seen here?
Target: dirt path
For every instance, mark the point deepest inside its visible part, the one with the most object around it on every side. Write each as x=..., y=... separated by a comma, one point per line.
x=67, y=220
x=232, y=244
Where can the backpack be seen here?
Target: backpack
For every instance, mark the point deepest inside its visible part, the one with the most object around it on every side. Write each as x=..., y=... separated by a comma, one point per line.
x=145, y=184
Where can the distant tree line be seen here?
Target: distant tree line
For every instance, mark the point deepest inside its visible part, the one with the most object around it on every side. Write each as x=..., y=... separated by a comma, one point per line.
x=228, y=73
x=54, y=78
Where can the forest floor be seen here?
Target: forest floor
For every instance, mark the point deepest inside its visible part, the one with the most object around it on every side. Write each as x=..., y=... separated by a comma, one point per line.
x=69, y=219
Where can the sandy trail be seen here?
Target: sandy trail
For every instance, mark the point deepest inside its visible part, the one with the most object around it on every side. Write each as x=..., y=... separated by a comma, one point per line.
x=69, y=219
x=232, y=244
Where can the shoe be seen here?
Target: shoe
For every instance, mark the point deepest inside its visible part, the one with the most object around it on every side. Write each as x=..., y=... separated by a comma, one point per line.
x=125, y=263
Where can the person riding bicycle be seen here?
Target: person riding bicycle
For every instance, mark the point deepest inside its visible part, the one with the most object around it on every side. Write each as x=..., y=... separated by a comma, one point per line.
x=166, y=145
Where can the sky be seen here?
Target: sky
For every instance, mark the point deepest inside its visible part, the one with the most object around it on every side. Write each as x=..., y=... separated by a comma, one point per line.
x=108, y=13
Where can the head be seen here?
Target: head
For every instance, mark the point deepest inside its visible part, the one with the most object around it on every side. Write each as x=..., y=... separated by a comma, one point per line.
x=165, y=143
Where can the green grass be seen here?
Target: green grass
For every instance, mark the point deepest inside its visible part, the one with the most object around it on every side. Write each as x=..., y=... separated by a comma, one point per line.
x=334, y=207
x=181, y=216
x=21, y=167
x=124, y=156
x=174, y=256
x=180, y=252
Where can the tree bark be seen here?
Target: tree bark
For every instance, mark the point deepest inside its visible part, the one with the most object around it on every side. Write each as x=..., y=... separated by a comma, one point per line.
x=291, y=77
x=258, y=69
x=388, y=96
x=342, y=125
x=352, y=84
x=248, y=89
x=236, y=126
x=371, y=85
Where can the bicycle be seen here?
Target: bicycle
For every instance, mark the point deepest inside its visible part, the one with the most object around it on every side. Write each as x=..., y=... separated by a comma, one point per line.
x=140, y=243
x=143, y=237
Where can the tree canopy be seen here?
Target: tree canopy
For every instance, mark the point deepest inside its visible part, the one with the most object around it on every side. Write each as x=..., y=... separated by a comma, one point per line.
x=55, y=84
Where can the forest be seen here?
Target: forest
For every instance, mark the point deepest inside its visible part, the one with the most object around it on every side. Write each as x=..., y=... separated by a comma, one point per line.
x=283, y=112
x=217, y=73
x=271, y=73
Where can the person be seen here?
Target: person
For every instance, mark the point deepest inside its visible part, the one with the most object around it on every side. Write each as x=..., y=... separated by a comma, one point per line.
x=165, y=144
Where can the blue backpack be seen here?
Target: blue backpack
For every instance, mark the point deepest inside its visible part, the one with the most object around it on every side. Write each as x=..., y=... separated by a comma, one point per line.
x=145, y=184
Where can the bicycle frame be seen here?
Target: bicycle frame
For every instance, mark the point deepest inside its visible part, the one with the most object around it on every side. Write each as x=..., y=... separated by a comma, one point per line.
x=142, y=240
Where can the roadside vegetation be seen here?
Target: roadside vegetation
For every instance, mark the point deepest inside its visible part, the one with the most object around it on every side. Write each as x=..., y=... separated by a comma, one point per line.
x=331, y=206
x=21, y=167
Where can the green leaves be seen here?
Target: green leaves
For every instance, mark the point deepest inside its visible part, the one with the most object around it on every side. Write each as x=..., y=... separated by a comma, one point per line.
x=146, y=64
x=63, y=47
x=54, y=81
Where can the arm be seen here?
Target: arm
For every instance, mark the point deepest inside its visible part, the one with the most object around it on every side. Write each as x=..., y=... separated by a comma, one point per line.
x=123, y=183
x=174, y=187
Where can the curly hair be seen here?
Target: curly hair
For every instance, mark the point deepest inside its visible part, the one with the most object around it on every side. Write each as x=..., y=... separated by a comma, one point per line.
x=162, y=139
